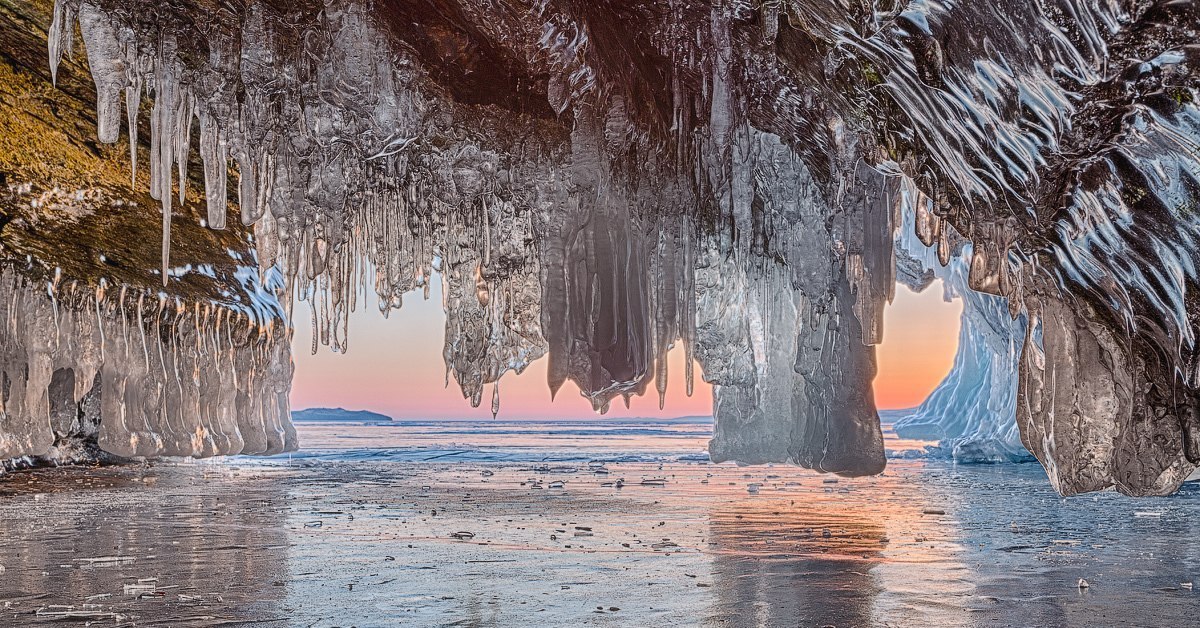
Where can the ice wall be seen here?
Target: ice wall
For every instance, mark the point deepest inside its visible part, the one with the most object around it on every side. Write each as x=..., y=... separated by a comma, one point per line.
x=104, y=355
x=135, y=376
x=972, y=412
x=599, y=181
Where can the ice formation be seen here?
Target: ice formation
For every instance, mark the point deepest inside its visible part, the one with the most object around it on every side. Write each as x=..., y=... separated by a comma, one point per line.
x=136, y=375
x=972, y=412
x=597, y=182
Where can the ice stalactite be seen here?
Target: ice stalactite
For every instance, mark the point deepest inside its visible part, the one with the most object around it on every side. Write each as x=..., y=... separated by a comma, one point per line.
x=107, y=66
x=781, y=341
x=136, y=375
x=599, y=182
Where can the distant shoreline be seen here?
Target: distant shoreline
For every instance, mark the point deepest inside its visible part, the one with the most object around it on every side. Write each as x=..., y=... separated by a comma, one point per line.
x=341, y=415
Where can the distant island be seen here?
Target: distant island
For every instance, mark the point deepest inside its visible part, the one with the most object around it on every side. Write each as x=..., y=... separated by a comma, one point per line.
x=339, y=415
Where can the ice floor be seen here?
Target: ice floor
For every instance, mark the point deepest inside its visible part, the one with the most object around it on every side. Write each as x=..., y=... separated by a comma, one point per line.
x=342, y=539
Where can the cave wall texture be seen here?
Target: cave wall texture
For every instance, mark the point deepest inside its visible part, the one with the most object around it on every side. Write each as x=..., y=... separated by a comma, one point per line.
x=598, y=181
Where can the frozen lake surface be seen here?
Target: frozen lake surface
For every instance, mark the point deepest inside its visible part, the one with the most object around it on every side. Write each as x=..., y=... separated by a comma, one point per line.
x=467, y=524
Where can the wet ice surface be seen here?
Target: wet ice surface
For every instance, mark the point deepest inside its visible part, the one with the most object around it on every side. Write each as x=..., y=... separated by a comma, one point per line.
x=340, y=539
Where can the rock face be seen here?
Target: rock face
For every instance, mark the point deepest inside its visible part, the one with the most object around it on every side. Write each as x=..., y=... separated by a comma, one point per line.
x=598, y=181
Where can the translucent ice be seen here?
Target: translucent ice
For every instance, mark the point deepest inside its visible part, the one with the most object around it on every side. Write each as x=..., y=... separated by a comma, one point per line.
x=137, y=376
x=598, y=183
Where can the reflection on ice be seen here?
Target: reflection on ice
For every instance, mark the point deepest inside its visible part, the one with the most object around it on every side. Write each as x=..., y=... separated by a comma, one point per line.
x=193, y=543
x=774, y=567
x=330, y=541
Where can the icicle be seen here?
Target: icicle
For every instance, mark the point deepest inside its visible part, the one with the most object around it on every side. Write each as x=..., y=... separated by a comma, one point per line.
x=108, y=69
x=247, y=189
x=943, y=246
x=925, y=222
x=688, y=295
x=163, y=132
x=98, y=297
x=52, y=289
x=183, y=137
x=142, y=328
x=124, y=321
x=266, y=236
x=60, y=35
x=214, y=155
x=133, y=104
x=312, y=306
x=166, y=240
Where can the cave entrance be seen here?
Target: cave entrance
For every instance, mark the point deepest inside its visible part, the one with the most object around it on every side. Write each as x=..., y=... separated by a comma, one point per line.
x=920, y=338
x=394, y=366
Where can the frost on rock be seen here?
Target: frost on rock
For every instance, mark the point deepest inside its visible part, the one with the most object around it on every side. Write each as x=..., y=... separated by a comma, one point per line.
x=597, y=183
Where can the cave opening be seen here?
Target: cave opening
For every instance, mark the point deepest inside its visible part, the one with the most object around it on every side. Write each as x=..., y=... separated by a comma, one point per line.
x=394, y=366
x=802, y=260
x=920, y=338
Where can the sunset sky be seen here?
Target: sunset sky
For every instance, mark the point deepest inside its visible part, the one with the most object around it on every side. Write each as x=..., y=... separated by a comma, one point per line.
x=395, y=366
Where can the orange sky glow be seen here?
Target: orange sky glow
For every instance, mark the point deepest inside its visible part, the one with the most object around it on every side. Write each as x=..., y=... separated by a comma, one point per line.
x=395, y=366
x=920, y=336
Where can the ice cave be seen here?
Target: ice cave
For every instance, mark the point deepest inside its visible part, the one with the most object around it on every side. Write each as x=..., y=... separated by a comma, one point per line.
x=595, y=183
